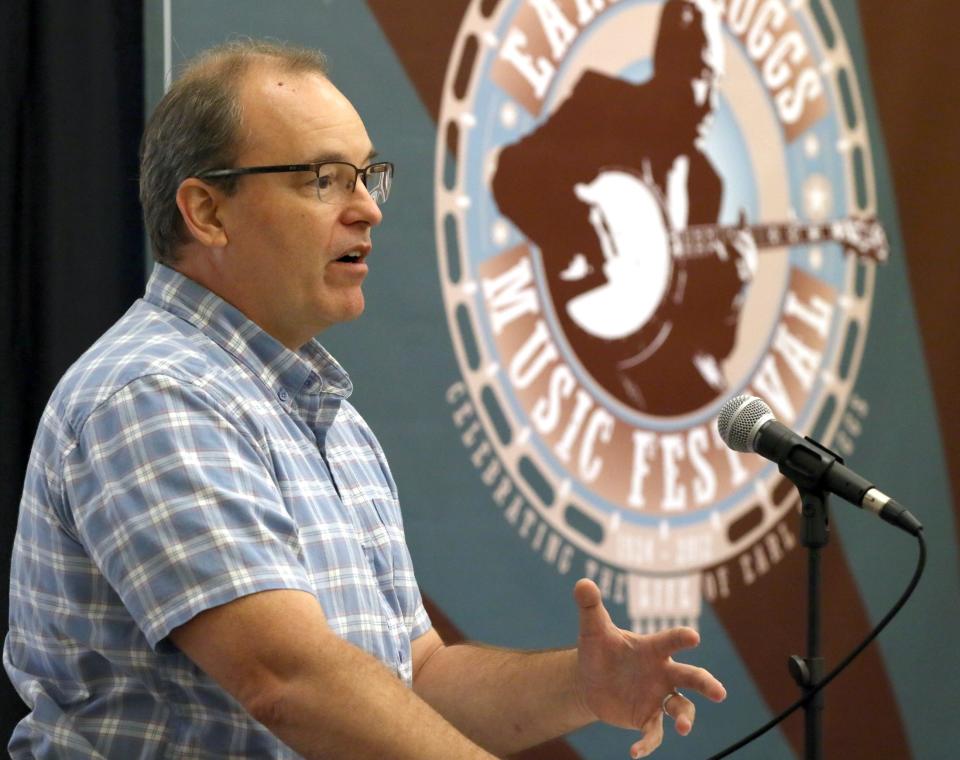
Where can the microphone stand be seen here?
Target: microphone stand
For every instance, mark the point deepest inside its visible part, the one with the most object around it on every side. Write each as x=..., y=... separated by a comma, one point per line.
x=808, y=671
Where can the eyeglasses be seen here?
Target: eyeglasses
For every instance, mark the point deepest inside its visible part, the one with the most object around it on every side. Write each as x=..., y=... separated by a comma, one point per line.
x=336, y=180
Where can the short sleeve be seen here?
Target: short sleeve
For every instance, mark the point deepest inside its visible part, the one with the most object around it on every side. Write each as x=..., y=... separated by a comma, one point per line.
x=177, y=505
x=420, y=620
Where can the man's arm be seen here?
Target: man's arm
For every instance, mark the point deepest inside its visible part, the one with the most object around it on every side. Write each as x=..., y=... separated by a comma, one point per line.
x=274, y=652
x=506, y=700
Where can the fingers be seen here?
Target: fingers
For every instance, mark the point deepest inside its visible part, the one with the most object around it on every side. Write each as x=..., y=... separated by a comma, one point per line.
x=683, y=712
x=698, y=679
x=746, y=248
x=745, y=244
x=652, y=737
x=683, y=676
x=673, y=640
x=586, y=593
x=594, y=617
x=677, y=707
x=721, y=250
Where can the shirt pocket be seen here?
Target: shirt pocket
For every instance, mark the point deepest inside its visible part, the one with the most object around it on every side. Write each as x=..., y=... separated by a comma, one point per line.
x=378, y=547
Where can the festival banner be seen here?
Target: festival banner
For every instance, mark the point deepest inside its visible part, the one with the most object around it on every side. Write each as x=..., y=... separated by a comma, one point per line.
x=611, y=217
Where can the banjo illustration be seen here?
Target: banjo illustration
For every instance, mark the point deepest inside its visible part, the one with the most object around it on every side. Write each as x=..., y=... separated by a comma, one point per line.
x=644, y=256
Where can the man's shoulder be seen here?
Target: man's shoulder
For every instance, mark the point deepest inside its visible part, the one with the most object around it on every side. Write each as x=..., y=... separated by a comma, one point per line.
x=147, y=341
x=597, y=89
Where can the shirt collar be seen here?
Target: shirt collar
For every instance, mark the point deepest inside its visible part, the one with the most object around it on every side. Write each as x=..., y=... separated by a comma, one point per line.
x=310, y=370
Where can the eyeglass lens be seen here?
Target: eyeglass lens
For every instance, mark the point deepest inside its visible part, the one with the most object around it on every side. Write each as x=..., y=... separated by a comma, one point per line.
x=335, y=181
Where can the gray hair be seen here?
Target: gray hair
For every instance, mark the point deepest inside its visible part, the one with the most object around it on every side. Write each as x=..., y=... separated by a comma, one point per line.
x=197, y=126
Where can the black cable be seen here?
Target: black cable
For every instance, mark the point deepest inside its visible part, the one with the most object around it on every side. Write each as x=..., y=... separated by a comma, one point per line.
x=921, y=563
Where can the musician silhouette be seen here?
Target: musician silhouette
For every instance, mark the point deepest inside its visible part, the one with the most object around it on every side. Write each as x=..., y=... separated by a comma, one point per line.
x=601, y=185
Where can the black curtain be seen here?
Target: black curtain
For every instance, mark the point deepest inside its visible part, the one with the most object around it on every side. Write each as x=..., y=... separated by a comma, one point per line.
x=71, y=236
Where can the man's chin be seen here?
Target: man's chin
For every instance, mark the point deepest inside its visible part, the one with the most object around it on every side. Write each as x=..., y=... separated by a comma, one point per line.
x=347, y=312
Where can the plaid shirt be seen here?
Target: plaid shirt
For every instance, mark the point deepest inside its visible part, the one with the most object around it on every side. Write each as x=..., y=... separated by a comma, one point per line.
x=188, y=459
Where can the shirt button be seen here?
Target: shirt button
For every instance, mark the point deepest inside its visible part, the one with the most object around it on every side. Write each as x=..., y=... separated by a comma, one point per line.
x=283, y=395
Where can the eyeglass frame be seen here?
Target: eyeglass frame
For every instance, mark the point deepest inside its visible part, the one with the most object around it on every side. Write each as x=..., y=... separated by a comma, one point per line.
x=312, y=167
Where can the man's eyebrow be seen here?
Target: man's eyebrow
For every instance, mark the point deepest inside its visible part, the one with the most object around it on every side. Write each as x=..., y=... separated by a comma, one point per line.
x=321, y=158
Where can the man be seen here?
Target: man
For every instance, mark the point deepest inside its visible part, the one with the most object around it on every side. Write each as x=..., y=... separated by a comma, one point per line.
x=210, y=558
x=614, y=169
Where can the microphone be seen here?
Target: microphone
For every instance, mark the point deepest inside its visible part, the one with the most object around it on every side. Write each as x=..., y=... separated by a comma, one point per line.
x=747, y=424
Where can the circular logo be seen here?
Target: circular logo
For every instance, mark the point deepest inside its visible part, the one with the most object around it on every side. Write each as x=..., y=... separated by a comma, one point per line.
x=643, y=209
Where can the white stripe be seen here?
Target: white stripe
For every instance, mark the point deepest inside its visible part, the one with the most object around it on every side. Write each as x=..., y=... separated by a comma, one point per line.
x=167, y=46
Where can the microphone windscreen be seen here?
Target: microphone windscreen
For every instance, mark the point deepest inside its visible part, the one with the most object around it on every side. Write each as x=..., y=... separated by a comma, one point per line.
x=738, y=421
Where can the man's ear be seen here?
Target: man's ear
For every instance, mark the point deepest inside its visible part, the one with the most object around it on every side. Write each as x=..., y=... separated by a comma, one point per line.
x=199, y=204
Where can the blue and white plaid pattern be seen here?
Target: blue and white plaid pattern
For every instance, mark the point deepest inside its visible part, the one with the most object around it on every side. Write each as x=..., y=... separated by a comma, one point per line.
x=188, y=459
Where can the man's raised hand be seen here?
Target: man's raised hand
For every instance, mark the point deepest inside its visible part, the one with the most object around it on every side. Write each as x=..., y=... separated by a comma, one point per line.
x=624, y=677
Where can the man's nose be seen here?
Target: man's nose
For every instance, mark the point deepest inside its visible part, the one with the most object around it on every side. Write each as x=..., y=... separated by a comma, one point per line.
x=363, y=207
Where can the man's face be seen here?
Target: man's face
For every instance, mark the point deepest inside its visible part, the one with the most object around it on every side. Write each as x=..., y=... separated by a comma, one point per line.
x=281, y=260
x=706, y=83
x=706, y=91
x=689, y=57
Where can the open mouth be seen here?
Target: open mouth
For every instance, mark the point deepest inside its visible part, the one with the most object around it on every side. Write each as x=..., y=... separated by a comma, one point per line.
x=353, y=257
